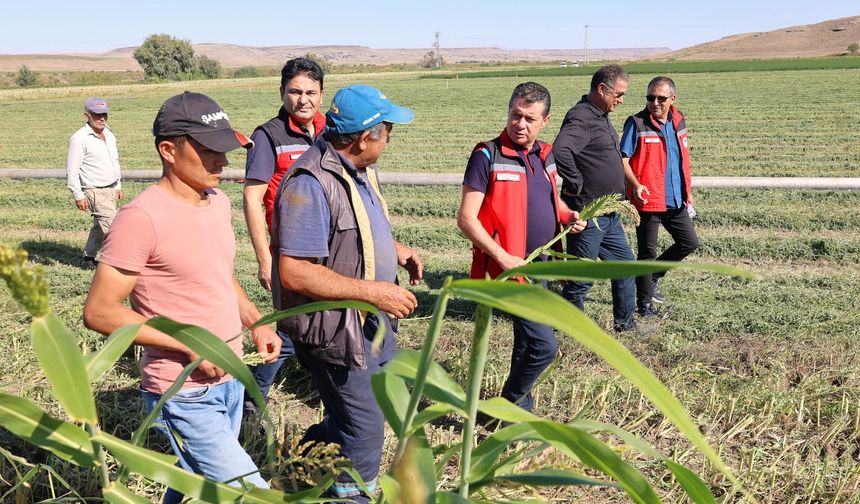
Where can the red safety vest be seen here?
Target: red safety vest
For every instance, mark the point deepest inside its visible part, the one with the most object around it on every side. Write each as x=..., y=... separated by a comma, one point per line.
x=288, y=146
x=649, y=160
x=504, y=210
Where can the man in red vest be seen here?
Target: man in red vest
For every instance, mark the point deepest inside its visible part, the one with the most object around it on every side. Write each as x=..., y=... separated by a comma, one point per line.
x=656, y=157
x=278, y=143
x=510, y=207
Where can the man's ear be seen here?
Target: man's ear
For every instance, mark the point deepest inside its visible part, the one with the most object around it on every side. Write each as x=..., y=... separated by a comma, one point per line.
x=168, y=151
x=363, y=140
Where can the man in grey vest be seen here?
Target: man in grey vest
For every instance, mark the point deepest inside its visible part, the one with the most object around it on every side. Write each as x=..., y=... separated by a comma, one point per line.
x=333, y=241
x=93, y=176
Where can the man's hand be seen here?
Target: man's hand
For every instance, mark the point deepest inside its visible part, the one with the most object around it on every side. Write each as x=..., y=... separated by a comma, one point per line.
x=206, y=367
x=409, y=259
x=118, y=194
x=264, y=271
x=575, y=223
x=82, y=204
x=268, y=343
x=639, y=191
x=392, y=299
x=509, y=261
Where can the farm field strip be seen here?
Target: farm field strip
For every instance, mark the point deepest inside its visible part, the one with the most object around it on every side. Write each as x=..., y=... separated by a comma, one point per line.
x=746, y=123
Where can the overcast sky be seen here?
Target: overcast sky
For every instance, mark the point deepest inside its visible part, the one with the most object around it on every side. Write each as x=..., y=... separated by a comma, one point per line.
x=52, y=26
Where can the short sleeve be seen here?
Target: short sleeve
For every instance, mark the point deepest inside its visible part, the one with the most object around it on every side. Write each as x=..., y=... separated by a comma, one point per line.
x=478, y=170
x=303, y=218
x=130, y=240
x=260, y=163
x=628, y=138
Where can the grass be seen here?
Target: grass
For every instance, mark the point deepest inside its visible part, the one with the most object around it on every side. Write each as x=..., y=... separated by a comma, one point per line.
x=664, y=67
x=767, y=367
x=740, y=123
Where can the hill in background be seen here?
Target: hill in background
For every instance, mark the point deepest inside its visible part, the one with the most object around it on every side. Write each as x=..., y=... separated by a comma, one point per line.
x=827, y=38
x=234, y=56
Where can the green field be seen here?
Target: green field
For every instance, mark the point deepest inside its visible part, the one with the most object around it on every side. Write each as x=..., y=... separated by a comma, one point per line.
x=666, y=67
x=801, y=123
x=768, y=367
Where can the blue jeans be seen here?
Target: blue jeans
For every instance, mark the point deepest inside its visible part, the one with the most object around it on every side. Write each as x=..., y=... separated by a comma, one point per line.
x=609, y=244
x=265, y=374
x=206, y=419
x=352, y=416
x=535, y=346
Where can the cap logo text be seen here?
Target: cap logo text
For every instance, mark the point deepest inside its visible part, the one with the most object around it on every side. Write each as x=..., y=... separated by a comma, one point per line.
x=374, y=116
x=215, y=116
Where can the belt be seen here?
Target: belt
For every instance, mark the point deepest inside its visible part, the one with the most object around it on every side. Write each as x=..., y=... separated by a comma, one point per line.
x=105, y=186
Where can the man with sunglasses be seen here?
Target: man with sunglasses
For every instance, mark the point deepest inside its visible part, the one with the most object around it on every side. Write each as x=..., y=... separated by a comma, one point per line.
x=656, y=158
x=589, y=163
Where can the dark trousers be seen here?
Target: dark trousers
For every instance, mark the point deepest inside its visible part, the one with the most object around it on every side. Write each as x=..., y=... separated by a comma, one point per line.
x=265, y=374
x=352, y=417
x=535, y=346
x=607, y=243
x=679, y=225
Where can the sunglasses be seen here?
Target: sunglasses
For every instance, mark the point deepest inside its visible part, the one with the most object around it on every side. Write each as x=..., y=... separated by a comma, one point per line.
x=660, y=99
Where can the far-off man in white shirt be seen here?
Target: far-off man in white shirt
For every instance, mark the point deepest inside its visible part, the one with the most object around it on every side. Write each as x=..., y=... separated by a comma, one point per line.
x=93, y=176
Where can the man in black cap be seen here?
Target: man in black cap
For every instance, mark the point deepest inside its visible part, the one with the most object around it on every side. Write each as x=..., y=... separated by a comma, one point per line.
x=170, y=251
x=334, y=242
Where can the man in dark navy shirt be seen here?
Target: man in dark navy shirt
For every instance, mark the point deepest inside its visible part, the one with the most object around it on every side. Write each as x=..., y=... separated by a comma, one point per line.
x=510, y=207
x=589, y=163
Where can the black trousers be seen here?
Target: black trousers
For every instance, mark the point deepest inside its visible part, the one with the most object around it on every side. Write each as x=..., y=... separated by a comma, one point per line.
x=679, y=225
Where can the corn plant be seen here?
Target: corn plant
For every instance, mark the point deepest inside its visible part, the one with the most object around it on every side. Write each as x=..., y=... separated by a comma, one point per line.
x=417, y=467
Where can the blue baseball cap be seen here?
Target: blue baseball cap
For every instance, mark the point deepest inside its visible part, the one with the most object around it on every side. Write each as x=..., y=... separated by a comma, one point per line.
x=96, y=106
x=358, y=107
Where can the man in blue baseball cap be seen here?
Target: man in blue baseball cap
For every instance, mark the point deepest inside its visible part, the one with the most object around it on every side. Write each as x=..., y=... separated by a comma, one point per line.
x=334, y=242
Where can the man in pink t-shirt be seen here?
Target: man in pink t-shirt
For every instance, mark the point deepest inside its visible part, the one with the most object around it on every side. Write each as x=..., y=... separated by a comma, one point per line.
x=170, y=252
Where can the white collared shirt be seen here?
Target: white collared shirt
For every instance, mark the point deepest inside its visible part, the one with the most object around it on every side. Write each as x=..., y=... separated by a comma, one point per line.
x=92, y=162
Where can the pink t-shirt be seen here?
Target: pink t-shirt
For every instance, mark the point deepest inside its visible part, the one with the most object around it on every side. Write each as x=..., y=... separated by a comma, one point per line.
x=183, y=255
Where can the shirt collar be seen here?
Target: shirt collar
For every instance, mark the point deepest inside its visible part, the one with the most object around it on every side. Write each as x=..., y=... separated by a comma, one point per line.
x=510, y=149
x=319, y=123
x=592, y=107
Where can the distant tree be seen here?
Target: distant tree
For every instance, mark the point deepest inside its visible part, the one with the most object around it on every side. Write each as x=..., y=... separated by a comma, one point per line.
x=26, y=77
x=320, y=60
x=853, y=47
x=208, y=67
x=429, y=60
x=165, y=57
x=246, y=71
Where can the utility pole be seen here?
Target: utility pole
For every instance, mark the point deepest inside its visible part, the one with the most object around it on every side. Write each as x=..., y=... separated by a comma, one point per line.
x=586, y=44
x=438, y=54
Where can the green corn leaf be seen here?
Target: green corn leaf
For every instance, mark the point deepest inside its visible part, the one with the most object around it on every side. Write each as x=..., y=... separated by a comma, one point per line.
x=485, y=454
x=60, y=358
x=691, y=483
x=415, y=471
x=546, y=307
x=117, y=493
x=593, y=453
x=636, y=442
x=429, y=414
x=99, y=362
x=392, y=396
x=605, y=270
x=552, y=477
x=162, y=468
x=390, y=490
x=314, y=307
x=24, y=419
x=452, y=498
x=440, y=386
x=501, y=408
x=213, y=349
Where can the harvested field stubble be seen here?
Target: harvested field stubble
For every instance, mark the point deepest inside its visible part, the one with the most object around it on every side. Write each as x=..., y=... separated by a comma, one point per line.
x=768, y=367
